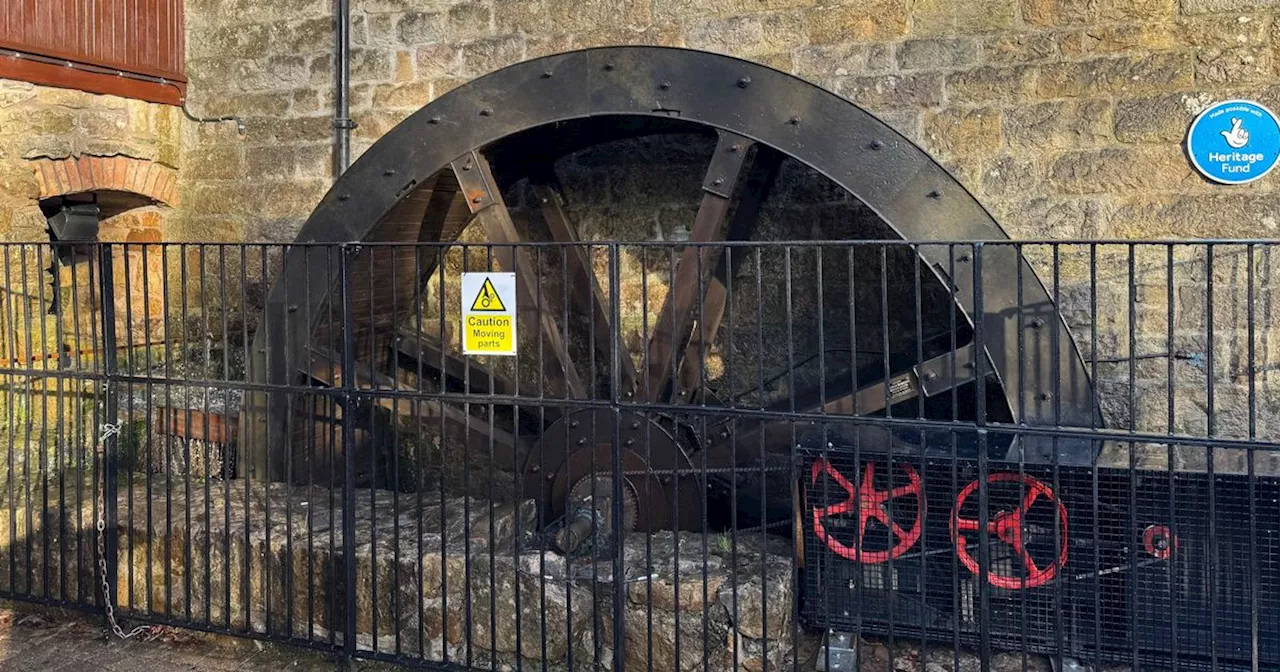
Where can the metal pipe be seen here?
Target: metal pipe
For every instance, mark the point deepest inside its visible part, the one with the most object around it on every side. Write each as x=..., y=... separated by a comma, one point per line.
x=342, y=123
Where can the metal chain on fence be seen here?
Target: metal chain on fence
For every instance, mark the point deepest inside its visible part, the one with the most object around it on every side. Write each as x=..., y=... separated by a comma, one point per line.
x=108, y=431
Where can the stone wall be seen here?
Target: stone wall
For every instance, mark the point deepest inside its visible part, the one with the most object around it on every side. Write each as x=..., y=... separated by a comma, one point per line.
x=1064, y=116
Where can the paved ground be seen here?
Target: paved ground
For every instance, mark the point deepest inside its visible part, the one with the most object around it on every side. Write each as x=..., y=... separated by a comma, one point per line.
x=49, y=640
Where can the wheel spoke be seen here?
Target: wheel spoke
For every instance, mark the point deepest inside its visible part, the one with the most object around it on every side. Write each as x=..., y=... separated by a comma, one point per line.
x=903, y=491
x=966, y=525
x=422, y=348
x=897, y=529
x=485, y=200
x=1030, y=498
x=671, y=333
x=584, y=288
x=1026, y=560
x=760, y=180
x=480, y=434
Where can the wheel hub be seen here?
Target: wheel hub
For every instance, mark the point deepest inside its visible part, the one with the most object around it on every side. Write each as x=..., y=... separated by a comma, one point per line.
x=573, y=462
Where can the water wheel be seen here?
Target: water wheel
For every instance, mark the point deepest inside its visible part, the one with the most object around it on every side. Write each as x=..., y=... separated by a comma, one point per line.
x=632, y=145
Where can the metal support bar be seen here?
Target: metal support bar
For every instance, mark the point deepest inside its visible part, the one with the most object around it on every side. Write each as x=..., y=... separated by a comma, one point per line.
x=342, y=123
x=348, y=456
x=110, y=418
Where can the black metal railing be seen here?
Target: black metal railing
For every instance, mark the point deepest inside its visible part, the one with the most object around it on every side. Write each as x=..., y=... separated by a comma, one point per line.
x=740, y=455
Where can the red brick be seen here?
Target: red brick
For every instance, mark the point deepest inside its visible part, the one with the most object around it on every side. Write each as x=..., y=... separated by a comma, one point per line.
x=44, y=177
x=97, y=168
x=113, y=171
x=130, y=174
x=163, y=186
x=85, y=170
x=69, y=176
x=153, y=177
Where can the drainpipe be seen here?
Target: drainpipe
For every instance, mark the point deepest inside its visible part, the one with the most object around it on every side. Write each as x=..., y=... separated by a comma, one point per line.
x=342, y=123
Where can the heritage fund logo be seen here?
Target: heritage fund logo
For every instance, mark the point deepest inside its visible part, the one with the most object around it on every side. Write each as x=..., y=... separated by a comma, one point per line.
x=1234, y=142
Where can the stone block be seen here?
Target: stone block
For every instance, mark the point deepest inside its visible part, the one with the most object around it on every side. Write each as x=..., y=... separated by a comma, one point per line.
x=422, y=27
x=485, y=56
x=749, y=35
x=270, y=74
x=469, y=21
x=225, y=162
x=1134, y=169
x=1059, y=12
x=888, y=91
x=305, y=101
x=404, y=67
x=817, y=62
x=1110, y=76
x=412, y=95
x=306, y=37
x=1136, y=10
x=376, y=123
x=1234, y=67
x=991, y=84
x=957, y=131
x=572, y=16
x=1059, y=125
x=1205, y=6
x=655, y=35
x=378, y=30
x=1184, y=215
x=1010, y=48
x=857, y=22
x=266, y=163
x=763, y=599
x=946, y=17
x=1053, y=218
x=1217, y=32
x=1162, y=118
x=1120, y=38
x=683, y=10
x=436, y=60
x=1008, y=176
x=371, y=65
x=935, y=54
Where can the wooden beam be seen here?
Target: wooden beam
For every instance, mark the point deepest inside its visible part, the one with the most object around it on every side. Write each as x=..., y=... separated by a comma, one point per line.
x=759, y=183
x=483, y=196
x=584, y=287
x=671, y=332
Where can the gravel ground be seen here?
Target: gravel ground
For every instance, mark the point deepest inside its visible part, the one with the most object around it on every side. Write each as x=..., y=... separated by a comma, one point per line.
x=34, y=639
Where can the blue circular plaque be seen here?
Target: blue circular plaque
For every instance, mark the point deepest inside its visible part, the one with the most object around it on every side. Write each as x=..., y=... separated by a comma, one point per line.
x=1234, y=142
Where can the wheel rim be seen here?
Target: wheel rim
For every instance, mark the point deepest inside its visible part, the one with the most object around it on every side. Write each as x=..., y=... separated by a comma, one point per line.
x=444, y=169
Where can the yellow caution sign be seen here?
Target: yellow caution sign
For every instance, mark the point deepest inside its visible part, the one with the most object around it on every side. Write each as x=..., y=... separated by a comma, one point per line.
x=488, y=314
x=487, y=299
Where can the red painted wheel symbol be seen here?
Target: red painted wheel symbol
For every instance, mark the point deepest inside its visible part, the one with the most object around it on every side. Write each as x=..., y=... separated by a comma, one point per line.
x=1159, y=542
x=869, y=504
x=1009, y=527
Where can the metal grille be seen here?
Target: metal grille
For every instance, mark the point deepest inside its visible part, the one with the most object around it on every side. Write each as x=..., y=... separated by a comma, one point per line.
x=844, y=449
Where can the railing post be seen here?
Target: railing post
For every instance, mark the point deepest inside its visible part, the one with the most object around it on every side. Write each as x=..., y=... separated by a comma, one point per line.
x=348, y=454
x=110, y=420
x=615, y=398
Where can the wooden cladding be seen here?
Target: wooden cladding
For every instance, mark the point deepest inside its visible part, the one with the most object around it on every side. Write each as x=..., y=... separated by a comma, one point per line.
x=141, y=37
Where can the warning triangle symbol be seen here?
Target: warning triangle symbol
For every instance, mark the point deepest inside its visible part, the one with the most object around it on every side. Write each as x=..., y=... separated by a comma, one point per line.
x=487, y=300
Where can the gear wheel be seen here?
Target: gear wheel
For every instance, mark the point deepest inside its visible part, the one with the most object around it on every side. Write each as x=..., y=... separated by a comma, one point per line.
x=589, y=513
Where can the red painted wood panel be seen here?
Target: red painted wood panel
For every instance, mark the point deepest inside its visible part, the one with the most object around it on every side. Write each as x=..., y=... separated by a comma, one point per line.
x=137, y=36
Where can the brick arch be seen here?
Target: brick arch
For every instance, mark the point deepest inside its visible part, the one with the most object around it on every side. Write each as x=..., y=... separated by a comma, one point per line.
x=79, y=174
